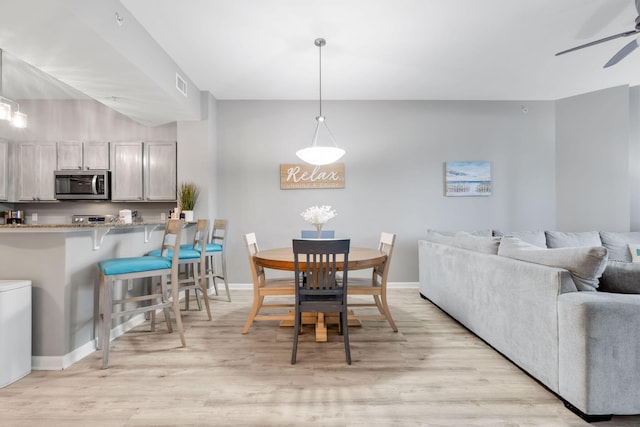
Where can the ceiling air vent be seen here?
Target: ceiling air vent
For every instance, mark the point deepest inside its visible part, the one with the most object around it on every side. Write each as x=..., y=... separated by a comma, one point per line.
x=181, y=85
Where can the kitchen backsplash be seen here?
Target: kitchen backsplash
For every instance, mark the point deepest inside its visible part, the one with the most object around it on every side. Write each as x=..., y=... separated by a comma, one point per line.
x=61, y=212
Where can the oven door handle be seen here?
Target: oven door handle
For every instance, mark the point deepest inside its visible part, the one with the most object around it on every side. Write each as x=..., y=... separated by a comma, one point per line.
x=94, y=181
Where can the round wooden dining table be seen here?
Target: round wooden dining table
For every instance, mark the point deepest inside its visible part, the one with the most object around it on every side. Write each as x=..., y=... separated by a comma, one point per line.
x=282, y=259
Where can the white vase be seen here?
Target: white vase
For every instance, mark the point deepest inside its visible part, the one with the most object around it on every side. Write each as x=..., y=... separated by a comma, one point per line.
x=188, y=216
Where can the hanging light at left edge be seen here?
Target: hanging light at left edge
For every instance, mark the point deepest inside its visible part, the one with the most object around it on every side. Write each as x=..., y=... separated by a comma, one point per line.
x=5, y=110
x=19, y=120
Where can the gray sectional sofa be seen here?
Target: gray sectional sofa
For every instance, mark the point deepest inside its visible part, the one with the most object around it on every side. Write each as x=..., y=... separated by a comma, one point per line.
x=564, y=307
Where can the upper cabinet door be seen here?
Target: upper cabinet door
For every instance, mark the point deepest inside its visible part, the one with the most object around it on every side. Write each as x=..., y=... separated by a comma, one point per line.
x=160, y=171
x=96, y=155
x=46, y=180
x=37, y=162
x=75, y=155
x=4, y=170
x=126, y=171
x=70, y=155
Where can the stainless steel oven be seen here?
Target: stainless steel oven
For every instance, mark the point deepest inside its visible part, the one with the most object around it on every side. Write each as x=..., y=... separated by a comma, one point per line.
x=83, y=185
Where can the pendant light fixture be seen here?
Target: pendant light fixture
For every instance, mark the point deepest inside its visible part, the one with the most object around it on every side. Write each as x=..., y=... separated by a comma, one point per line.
x=17, y=118
x=321, y=154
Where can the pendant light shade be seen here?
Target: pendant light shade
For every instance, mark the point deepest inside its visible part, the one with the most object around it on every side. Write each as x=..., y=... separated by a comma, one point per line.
x=317, y=154
x=16, y=118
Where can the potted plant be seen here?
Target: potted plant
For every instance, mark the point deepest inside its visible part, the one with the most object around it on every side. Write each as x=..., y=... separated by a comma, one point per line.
x=187, y=197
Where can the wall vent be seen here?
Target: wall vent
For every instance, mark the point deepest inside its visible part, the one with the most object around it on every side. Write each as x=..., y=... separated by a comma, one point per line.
x=181, y=85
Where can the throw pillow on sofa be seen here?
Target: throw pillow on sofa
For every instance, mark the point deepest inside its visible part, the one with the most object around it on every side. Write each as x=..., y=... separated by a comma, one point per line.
x=586, y=264
x=618, y=244
x=485, y=245
x=537, y=238
x=635, y=252
x=561, y=239
x=621, y=277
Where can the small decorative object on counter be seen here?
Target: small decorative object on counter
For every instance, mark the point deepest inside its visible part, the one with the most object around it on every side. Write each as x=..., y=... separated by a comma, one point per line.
x=187, y=197
x=125, y=216
x=318, y=216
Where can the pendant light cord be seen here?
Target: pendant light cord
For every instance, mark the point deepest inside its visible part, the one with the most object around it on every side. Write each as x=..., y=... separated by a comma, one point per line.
x=320, y=74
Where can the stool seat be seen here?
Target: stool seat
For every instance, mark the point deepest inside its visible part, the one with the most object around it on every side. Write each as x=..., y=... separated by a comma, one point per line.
x=113, y=266
x=211, y=247
x=186, y=252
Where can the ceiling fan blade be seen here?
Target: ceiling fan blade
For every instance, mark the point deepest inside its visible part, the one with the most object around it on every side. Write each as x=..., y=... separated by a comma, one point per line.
x=606, y=39
x=622, y=53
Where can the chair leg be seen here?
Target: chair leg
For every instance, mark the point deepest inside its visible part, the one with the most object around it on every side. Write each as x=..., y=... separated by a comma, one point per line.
x=105, y=285
x=224, y=275
x=386, y=311
x=202, y=279
x=175, y=304
x=296, y=332
x=345, y=333
x=257, y=303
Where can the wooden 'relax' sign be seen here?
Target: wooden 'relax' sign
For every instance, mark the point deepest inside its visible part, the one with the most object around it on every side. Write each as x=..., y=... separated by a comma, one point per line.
x=301, y=176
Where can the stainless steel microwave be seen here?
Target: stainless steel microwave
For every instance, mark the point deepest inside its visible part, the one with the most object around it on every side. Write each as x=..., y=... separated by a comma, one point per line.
x=83, y=185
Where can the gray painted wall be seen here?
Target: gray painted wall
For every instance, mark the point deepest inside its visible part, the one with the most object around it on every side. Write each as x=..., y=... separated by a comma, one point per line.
x=393, y=167
x=592, y=154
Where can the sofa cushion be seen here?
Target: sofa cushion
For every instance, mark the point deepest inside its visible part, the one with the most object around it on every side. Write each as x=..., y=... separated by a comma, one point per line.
x=561, y=239
x=446, y=237
x=439, y=237
x=537, y=238
x=621, y=277
x=485, y=245
x=585, y=264
x=618, y=244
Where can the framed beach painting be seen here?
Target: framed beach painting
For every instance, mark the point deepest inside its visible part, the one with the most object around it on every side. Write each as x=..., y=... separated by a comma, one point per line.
x=467, y=179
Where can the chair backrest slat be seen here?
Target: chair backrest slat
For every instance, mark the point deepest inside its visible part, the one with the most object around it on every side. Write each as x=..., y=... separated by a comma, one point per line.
x=320, y=258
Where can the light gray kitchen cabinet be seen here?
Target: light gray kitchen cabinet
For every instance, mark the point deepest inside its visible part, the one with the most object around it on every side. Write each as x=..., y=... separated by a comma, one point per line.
x=144, y=171
x=36, y=163
x=88, y=155
x=4, y=170
x=126, y=171
x=160, y=171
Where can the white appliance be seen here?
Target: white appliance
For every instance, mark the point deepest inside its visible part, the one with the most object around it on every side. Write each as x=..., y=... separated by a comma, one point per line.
x=15, y=330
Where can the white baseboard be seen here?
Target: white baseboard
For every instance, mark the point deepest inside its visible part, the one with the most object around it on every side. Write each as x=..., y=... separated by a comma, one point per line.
x=58, y=363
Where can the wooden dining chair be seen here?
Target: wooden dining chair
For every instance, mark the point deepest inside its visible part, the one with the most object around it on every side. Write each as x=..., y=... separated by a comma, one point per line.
x=263, y=287
x=376, y=286
x=318, y=288
x=114, y=271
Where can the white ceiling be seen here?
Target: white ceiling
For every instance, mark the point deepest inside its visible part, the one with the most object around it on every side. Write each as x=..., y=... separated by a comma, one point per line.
x=392, y=49
x=263, y=49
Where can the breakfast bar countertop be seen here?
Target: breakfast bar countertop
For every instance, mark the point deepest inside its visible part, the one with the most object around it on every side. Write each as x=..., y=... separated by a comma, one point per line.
x=72, y=227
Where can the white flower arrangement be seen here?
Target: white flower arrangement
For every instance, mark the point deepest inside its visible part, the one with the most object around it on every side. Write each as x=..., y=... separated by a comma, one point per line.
x=318, y=215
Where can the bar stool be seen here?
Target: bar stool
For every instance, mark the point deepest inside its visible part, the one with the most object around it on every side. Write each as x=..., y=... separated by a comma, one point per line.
x=194, y=260
x=115, y=270
x=217, y=246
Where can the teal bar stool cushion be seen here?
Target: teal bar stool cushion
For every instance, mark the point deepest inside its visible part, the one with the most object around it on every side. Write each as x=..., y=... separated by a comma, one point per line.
x=214, y=247
x=211, y=247
x=185, y=253
x=133, y=265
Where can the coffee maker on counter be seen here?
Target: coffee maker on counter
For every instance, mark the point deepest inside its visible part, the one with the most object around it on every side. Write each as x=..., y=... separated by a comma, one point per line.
x=14, y=217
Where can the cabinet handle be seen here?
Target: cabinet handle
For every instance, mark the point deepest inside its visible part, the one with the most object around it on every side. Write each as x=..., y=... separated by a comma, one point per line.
x=79, y=167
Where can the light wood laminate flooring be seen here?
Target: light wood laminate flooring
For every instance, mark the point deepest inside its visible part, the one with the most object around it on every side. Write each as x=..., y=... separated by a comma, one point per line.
x=433, y=372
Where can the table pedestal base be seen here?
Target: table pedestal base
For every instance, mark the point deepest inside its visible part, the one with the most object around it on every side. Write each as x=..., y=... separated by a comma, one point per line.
x=321, y=320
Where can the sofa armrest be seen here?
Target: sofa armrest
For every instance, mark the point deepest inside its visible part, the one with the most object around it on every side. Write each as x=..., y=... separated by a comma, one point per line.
x=599, y=351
